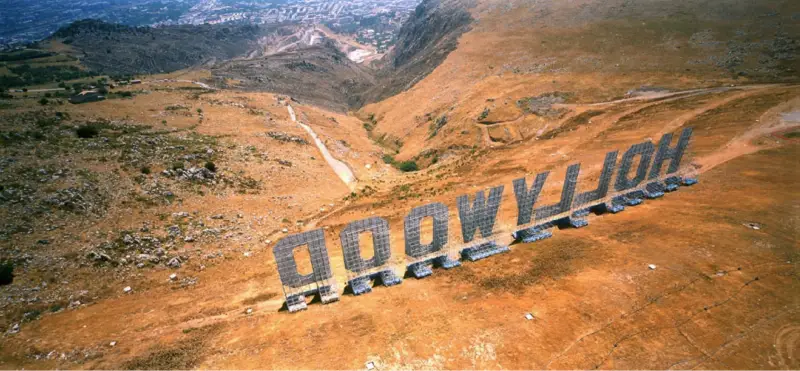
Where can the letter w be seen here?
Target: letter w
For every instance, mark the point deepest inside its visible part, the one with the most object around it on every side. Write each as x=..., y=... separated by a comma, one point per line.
x=482, y=215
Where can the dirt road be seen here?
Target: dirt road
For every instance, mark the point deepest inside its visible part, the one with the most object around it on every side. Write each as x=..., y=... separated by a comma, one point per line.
x=340, y=168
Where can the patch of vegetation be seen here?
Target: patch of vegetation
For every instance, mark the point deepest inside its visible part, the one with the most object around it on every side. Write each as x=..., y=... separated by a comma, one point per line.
x=388, y=141
x=6, y=272
x=408, y=166
x=119, y=95
x=484, y=114
x=176, y=107
x=437, y=125
x=551, y=263
x=25, y=54
x=186, y=354
x=366, y=191
x=87, y=131
x=31, y=315
x=26, y=74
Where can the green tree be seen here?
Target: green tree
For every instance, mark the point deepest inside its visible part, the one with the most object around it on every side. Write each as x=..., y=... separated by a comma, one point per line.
x=408, y=166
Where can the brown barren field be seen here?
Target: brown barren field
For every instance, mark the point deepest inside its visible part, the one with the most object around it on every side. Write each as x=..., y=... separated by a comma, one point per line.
x=531, y=87
x=723, y=295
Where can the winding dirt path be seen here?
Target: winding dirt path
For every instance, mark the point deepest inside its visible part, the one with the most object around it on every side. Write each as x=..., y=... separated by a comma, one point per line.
x=771, y=122
x=340, y=168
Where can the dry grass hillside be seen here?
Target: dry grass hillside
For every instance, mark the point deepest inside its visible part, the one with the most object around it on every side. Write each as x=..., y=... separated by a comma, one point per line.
x=521, y=57
x=139, y=229
x=83, y=220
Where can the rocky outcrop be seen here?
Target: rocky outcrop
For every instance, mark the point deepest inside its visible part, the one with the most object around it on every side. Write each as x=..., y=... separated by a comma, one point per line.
x=424, y=42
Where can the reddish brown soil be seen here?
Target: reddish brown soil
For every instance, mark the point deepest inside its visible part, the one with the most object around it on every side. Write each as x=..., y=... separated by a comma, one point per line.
x=723, y=295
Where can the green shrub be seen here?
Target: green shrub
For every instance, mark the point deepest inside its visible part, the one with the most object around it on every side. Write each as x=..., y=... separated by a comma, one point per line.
x=177, y=165
x=44, y=122
x=87, y=131
x=145, y=170
x=389, y=159
x=211, y=167
x=484, y=114
x=44, y=101
x=437, y=125
x=6, y=272
x=408, y=166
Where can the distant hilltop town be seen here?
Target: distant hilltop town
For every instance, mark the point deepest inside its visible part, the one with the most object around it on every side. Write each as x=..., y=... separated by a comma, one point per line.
x=374, y=22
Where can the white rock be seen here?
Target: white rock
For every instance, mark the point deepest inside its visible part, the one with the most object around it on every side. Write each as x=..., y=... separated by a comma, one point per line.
x=285, y=230
x=369, y=166
x=113, y=343
x=528, y=316
x=173, y=277
x=370, y=365
x=127, y=289
x=247, y=254
x=652, y=267
x=249, y=311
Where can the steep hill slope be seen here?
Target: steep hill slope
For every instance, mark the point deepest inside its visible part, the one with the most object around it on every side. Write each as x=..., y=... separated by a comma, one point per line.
x=138, y=232
x=136, y=205
x=519, y=58
x=320, y=74
x=118, y=49
x=425, y=40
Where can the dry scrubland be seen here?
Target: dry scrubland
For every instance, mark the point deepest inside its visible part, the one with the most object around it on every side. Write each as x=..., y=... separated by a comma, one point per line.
x=201, y=183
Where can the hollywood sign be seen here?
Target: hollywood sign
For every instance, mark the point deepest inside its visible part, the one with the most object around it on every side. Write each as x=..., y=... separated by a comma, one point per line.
x=533, y=224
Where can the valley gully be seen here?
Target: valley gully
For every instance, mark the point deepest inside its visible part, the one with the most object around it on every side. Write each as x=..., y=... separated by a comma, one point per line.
x=630, y=188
